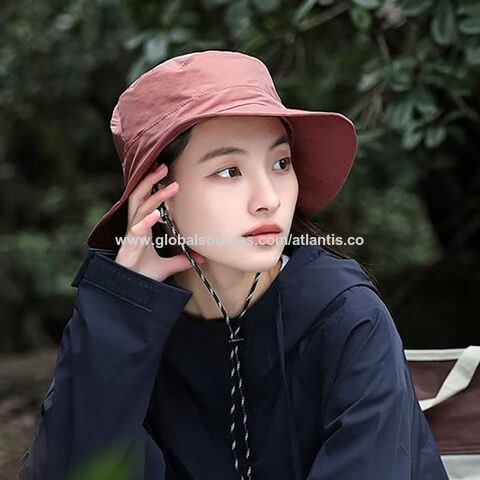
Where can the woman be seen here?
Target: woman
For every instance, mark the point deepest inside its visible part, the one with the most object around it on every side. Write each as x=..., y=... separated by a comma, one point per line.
x=288, y=364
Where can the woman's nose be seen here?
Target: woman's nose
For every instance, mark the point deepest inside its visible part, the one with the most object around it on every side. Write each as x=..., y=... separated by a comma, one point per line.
x=264, y=195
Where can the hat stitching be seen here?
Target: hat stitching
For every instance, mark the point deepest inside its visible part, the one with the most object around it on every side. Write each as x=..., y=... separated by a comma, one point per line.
x=134, y=139
x=186, y=62
x=156, y=148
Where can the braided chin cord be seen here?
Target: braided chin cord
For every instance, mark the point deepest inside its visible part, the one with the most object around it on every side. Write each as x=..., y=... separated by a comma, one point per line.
x=233, y=340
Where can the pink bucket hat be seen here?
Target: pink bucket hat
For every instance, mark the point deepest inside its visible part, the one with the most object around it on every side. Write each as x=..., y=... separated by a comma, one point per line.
x=187, y=89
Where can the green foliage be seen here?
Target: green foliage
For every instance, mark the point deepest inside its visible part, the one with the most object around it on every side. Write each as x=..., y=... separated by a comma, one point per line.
x=405, y=71
x=443, y=25
x=108, y=465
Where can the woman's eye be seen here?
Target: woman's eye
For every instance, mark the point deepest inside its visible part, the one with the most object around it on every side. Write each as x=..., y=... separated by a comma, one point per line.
x=285, y=162
x=229, y=169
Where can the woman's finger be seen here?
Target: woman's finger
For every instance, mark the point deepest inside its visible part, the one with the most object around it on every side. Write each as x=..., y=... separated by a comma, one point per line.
x=142, y=192
x=163, y=194
x=144, y=188
x=142, y=228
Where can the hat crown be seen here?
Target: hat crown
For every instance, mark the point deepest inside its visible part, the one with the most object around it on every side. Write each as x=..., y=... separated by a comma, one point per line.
x=175, y=83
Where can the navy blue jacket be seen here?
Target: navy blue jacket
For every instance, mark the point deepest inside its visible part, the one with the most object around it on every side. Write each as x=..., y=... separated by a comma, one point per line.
x=327, y=386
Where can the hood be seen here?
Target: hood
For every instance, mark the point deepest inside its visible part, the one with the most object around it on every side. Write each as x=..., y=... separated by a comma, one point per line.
x=311, y=280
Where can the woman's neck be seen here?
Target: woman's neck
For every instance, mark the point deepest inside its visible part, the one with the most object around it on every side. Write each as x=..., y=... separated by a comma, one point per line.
x=231, y=286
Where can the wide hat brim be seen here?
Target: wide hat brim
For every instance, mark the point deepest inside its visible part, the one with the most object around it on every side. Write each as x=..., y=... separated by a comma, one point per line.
x=323, y=151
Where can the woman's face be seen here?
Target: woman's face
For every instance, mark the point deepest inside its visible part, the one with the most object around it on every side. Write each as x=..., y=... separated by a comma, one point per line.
x=229, y=194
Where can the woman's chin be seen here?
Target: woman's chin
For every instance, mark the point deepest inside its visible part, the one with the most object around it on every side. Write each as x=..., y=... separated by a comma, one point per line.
x=247, y=258
x=259, y=259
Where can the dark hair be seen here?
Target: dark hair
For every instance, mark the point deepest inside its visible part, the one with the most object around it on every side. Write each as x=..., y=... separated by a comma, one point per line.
x=301, y=225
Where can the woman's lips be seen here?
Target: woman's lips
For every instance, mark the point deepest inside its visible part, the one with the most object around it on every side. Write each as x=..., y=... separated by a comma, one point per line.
x=266, y=238
x=266, y=227
x=262, y=233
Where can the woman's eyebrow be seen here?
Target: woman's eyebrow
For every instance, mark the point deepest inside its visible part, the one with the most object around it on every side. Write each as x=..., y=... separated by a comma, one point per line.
x=229, y=150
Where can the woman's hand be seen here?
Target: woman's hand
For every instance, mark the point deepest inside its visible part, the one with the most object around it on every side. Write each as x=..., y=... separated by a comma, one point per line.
x=142, y=214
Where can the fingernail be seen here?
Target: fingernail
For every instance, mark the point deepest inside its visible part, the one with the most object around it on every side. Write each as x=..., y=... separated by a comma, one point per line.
x=161, y=167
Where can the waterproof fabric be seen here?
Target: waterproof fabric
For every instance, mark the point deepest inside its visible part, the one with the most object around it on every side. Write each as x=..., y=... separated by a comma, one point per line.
x=325, y=377
x=185, y=90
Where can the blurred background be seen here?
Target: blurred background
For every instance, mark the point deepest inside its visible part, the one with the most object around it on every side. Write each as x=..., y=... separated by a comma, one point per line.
x=406, y=72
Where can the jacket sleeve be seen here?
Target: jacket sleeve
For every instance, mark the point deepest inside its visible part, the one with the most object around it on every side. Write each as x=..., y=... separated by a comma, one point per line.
x=373, y=427
x=105, y=371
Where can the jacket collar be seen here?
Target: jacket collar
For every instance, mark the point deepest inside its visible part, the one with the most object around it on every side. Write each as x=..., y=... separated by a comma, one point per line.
x=309, y=282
